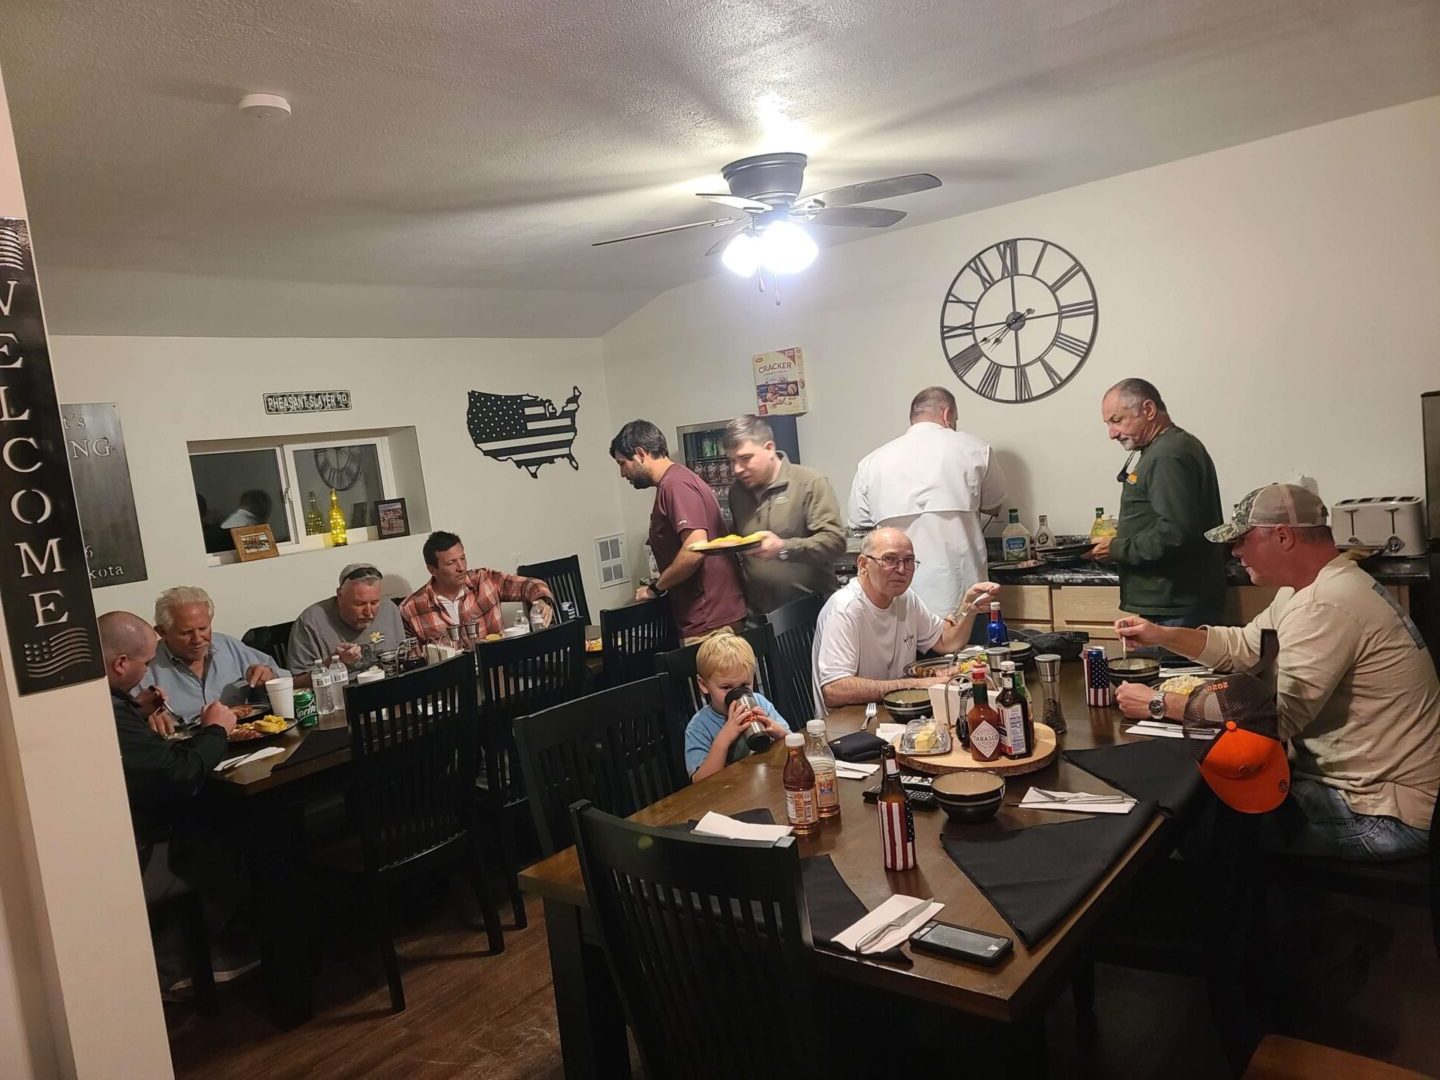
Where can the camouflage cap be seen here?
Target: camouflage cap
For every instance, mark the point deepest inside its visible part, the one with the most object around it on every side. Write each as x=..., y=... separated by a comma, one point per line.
x=1273, y=504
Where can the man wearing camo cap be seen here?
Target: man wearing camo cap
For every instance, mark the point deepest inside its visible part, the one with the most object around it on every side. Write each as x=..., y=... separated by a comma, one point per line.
x=1357, y=694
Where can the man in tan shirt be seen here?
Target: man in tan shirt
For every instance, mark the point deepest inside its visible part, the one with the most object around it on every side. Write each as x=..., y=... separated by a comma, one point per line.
x=793, y=507
x=1357, y=693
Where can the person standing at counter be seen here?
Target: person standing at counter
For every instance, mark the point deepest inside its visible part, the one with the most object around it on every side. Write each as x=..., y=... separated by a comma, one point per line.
x=933, y=482
x=1168, y=572
x=795, y=510
x=705, y=592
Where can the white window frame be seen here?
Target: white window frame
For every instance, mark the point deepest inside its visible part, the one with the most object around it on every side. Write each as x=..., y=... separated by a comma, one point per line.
x=293, y=499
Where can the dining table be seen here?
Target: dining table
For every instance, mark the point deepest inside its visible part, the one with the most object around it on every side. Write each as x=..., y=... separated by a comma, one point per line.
x=1016, y=992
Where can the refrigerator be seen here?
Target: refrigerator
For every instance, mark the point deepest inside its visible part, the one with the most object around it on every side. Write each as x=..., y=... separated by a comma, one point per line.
x=701, y=450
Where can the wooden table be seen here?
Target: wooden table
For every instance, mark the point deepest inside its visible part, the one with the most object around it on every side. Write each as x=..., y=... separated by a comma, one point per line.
x=592, y=1026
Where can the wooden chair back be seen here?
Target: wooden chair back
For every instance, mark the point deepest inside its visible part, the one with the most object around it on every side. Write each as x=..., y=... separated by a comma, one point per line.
x=613, y=748
x=273, y=641
x=683, y=694
x=793, y=665
x=563, y=577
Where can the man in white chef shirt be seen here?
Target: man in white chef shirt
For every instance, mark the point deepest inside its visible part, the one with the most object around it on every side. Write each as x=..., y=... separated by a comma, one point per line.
x=869, y=630
x=934, y=482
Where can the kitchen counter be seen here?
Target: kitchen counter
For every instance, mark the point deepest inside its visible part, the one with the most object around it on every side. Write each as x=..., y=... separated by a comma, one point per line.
x=1385, y=571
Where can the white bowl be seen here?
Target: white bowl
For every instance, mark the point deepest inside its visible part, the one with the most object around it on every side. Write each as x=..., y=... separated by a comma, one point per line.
x=515, y=631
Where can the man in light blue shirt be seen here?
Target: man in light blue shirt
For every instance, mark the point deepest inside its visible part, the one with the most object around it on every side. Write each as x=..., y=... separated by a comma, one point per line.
x=194, y=666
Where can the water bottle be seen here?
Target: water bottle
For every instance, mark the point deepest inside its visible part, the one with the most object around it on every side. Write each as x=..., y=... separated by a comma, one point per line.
x=537, y=617
x=339, y=676
x=320, y=683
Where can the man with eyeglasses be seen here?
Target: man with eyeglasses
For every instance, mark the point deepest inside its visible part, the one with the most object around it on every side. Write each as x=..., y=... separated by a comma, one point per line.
x=1168, y=572
x=875, y=625
x=344, y=624
x=933, y=482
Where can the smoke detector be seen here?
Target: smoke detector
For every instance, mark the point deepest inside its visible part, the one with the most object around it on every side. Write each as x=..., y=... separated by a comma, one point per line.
x=265, y=106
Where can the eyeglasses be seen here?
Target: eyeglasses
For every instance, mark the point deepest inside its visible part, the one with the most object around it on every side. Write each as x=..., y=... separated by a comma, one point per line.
x=893, y=563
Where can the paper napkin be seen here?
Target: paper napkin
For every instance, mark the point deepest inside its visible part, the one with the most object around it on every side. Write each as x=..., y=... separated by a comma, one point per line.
x=890, y=910
x=1078, y=802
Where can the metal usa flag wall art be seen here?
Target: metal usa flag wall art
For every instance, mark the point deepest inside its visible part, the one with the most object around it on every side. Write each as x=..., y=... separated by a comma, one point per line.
x=524, y=429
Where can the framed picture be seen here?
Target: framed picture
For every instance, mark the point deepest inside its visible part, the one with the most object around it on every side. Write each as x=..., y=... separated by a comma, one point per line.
x=391, y=518
x=254, y=542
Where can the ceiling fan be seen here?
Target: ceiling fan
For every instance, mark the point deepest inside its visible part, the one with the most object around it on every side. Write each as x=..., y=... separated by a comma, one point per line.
x=771, y=237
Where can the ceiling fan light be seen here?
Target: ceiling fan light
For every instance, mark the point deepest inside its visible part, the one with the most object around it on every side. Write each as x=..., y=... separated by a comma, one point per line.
x=742, y=255
x=786, y=248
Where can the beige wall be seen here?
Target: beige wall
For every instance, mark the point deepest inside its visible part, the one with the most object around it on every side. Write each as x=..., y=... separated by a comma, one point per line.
x=1281, y=294
x=174, y=390
x=77, y=976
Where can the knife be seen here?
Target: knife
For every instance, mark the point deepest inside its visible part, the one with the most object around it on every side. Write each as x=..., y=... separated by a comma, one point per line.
x=899, y=920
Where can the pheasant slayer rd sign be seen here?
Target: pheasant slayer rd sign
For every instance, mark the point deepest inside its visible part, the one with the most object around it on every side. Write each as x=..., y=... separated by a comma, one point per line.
x=44, y=581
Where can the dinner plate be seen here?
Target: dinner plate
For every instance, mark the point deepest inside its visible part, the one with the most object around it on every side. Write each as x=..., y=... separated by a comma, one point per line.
x=259, y=740
x=728, y=549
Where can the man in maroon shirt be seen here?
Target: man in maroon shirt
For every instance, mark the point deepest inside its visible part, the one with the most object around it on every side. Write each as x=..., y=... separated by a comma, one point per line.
x=705, y=591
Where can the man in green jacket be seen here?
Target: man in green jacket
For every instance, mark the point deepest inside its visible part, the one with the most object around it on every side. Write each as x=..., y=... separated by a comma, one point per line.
x=1169, y=573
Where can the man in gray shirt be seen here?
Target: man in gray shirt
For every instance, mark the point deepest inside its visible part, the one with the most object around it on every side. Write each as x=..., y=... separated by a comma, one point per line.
x=343, y=624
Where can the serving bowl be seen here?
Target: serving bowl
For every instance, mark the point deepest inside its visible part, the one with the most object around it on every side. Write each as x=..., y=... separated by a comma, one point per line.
x=1136, y=669
x=969, y=797
x=909, y=704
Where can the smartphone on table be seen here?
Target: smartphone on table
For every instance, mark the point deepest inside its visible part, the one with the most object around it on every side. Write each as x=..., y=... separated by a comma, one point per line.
x=961, y=943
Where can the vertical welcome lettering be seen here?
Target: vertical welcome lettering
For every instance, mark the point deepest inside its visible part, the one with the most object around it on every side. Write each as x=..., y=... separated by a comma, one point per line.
x=44, y=584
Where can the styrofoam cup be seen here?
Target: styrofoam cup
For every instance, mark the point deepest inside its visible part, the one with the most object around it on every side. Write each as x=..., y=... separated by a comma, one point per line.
x=282, y=696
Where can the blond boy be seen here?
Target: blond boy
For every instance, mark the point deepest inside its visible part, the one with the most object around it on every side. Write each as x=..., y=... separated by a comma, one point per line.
x=713, y=736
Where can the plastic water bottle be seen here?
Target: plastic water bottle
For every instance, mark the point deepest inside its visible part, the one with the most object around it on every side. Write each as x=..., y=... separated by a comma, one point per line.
x=537, y=618
x=320, y=683
x=339, y=676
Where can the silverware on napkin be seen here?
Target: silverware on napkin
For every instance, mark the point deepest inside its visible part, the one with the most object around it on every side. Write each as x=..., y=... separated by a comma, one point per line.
x=899, y=920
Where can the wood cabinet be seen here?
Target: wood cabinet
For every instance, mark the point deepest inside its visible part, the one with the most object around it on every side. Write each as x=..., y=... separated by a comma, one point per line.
x=1025, y=607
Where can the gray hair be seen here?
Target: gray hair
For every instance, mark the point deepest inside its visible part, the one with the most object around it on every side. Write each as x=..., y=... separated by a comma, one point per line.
x=178, y=597
x=931, y=402
x=366, y=579
x=747, y=428
x=872, y=539
x=1133, y=393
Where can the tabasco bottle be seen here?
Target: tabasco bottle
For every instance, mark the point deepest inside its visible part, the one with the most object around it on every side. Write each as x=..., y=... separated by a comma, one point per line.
x=984, y=723
x=802, y=808
x=897, y=820
x=1015, y=738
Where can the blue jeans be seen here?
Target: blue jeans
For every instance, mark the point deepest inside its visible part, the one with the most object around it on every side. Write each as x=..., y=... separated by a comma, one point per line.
x=1316, y=820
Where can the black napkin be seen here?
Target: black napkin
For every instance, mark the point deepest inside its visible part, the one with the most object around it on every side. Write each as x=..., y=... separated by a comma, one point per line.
x=1035, y=877
x=833, y=907
x=316, y=744
x=1161, y=770
x=857, y=746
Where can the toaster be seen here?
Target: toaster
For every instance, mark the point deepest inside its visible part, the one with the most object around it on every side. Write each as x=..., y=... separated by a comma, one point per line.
x=1393, y=523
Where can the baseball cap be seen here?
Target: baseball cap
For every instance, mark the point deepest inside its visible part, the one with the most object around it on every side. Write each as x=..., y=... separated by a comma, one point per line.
x=358, y=570
x=1273, y=504
x=1231, y=727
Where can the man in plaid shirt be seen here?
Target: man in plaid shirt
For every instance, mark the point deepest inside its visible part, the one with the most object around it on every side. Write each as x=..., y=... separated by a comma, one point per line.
x=457, y=596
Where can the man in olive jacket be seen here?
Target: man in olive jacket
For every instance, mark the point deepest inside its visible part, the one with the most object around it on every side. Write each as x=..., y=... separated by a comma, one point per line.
x=1169, y=572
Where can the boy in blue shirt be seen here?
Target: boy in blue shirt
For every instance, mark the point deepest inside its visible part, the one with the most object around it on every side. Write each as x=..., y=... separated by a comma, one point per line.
x=713, y=736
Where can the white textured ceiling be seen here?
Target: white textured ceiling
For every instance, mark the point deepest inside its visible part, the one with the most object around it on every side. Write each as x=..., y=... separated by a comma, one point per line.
x=478, y=147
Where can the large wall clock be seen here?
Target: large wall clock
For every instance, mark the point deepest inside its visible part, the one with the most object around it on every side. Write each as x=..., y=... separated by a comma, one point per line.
x=1019, y=320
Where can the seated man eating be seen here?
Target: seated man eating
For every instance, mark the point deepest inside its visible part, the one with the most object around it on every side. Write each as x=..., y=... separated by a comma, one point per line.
x=875, y=625
x=1356, y=688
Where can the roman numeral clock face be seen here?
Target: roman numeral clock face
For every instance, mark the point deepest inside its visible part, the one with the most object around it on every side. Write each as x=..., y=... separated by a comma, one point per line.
x=1019, y=320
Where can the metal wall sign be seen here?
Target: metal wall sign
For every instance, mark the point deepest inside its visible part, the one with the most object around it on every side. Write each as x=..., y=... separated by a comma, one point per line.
x=44, y=583
x=307, y=401
x=101, y=473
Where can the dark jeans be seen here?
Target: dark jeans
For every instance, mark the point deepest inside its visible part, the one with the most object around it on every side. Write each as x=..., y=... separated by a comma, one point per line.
x=1316, y=820
x=193, y=859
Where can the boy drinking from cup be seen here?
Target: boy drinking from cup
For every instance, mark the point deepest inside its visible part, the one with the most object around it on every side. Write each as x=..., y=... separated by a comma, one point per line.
x=719, y=733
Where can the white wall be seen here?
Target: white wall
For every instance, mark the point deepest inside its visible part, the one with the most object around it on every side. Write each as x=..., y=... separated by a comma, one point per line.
x=1281, y=294
x=174, y=390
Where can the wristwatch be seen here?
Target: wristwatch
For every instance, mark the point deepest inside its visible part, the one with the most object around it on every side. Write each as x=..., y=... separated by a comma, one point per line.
x=1156, y=707
x=784, y=554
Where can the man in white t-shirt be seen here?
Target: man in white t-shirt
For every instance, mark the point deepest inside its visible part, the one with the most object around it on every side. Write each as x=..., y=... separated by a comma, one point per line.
x=872, y=628
x=933, y=482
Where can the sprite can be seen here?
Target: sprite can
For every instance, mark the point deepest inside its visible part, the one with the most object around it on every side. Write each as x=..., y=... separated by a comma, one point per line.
x=307, y=712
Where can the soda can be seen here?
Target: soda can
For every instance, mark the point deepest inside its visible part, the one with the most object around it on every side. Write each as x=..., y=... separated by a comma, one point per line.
x=307, y=712
x=1098, y=691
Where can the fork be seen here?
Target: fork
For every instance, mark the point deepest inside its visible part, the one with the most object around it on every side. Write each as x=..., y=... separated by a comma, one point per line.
x=899, y=920
x=1079, y=796
x=870, y=709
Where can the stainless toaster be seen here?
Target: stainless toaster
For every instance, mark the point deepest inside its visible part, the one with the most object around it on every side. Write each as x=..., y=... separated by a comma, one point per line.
x=1393, y=523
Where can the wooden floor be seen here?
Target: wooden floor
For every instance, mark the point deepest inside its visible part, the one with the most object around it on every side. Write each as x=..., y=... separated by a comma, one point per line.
x=474, y=1015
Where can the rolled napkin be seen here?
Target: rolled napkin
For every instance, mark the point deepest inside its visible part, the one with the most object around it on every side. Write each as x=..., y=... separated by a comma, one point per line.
x=713, y=824
x=908, y=913
x=246, y=759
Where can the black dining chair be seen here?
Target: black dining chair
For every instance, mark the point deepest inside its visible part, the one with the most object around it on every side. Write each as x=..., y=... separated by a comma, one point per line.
x=793, y=626
x=519, y=676
x=683, y=698
x=273, y=641
x=415, y=745
x=563, y=578
x=631, y=636
x=691, y=925
x=613, y=748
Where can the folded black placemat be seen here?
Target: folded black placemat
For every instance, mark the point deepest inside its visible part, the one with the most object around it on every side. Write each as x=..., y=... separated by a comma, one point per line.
x=1035, y=877
x=316, y=744
x=834, y=906
x=857, y=746
x=1160, y=770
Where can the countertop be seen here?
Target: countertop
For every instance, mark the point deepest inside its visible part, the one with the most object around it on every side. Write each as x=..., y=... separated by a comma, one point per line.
x=1385, y=571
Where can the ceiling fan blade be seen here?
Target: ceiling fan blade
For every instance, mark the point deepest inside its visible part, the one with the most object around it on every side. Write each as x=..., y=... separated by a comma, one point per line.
x=869, y=217
x=661, y=232
x=719, y=245
x=874, y=190
x=735, y=201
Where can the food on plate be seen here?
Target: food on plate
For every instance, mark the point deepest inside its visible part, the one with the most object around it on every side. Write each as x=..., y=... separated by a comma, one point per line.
x=1181, y=684
x=593, y=645
x=258, y=729
x=243, y=712
x=493, y=637
x=729, y=540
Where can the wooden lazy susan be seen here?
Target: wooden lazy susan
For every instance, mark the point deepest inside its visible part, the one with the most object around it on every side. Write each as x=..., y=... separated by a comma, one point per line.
x=959, y=759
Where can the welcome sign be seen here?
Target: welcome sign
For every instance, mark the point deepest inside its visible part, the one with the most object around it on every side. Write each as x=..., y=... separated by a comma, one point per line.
x=44, y=581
